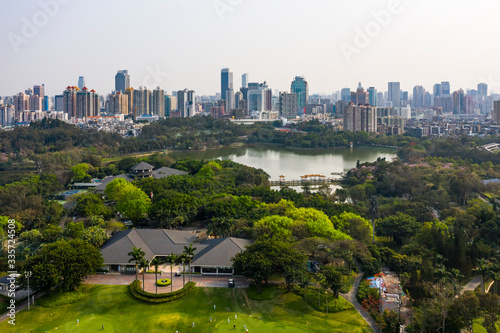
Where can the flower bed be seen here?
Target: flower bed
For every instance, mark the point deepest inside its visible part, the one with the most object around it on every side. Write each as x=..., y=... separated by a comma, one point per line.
x=163, y=282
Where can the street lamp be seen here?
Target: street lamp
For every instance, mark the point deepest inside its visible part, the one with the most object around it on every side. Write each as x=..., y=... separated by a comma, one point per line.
x=28, y=275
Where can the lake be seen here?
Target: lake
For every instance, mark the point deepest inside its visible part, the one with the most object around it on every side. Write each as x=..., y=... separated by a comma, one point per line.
x=292, y=162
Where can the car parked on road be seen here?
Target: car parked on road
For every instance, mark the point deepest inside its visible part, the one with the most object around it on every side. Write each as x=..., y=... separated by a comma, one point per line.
x=230, y=283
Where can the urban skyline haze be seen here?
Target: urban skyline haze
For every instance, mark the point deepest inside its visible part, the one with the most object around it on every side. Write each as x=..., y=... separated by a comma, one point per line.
x=333, y=44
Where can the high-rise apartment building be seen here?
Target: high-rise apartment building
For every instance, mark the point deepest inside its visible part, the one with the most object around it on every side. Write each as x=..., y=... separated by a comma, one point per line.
x=158, y=102
x=7, y=115
x=360, y=118
x=394, y=93
x=87, y=103
x=129, y=92
x=226, y=82
x=21, y=102
x=288, y=105
x=81, y=82
x=39, y=91
x=186, y=103
x=495, y=113
x=141, y=102
x=437, y=90
x=301, y=88
x=345, y=95
x=122, y=81
x=118, y=103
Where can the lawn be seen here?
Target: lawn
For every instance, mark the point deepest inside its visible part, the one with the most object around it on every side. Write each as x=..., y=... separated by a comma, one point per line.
x=118, y=311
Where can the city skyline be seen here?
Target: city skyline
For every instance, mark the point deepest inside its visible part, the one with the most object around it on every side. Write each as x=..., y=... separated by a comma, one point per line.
x=54, y=52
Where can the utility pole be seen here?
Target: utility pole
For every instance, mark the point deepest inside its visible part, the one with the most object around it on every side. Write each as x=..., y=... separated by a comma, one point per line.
x=28, y=275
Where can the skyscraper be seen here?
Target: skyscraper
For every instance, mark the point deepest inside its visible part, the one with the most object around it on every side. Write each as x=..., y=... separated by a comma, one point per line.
x=372, y=96
x=59, y=103
x=345, y=95
x=87, y=103
x=39, y=91
x=438, y=90
x=301, y=88
x=142, y=102
x=360, y=96
x=230, y=103
x=360, y=118
x=288, y=105
x=394, y=93
x=226, y=82
x=158, y=102
x=118, y=103
x=81, y=82
x=186, y=103
x=458, y=102
x=495, y=113
x=418, y=96
x=244, y=80
x=122, y=81
x=482, y=90
x=445, y=88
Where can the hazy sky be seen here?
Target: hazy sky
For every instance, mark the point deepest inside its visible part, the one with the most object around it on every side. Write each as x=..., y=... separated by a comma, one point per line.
x=181, y=44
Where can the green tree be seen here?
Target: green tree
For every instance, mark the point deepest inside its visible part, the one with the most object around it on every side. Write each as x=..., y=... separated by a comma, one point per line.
x=144, y=265
x=137, y=254
x=355, y=226
x=94, y=235
x=155, y=263
x=79, y=172
x=64, y=263
x=130, y=200
x=333, y=279
x=172, y=259
x=74, y=230
x=399, y=227
x=189, y=253
x=90, y=204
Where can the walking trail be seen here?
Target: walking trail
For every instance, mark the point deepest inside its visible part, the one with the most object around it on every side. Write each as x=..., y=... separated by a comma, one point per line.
x=351, y=297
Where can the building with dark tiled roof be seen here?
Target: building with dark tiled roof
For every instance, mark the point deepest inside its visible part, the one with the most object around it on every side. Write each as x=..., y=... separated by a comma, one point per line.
x=212, y=256
x=140, y=171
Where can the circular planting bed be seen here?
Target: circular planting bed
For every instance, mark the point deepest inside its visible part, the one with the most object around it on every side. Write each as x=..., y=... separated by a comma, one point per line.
x=163, y=282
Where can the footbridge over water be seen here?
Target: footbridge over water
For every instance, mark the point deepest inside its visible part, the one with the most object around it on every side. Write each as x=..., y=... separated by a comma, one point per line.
x=313, y=179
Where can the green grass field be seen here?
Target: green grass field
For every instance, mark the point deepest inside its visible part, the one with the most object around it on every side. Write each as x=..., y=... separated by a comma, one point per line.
x=114, y=307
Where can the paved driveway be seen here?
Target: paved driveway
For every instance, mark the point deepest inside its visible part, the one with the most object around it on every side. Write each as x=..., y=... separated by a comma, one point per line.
x=149, y=279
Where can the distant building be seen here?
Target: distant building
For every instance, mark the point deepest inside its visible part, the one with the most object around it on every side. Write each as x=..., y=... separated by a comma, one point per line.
x=244, y=80
x=21, y=102
x=301, y=89
x=59, y=103
x=158, y=102
x=81, y=82
x=186, y=103
x=7, y=115
x=495, y=113
x=360, y=118
x=122, y=81
x=288, y=105
x=141, y=102
x=372, y=96
x=345, y=95
x=482, y=90
x=87, y=103
x=118, y=103
x=226, y=82
x=418, y=96
x=394, y=93
x=437, y=90
x=458, y=102
x=39, y=91
x=445, y=88
x=230, y=100
x=69, y=101
x=360, y=96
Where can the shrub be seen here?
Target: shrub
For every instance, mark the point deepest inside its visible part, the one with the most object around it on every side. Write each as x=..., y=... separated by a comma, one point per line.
x=334, y=304
x=137, y=292
x=163, y=282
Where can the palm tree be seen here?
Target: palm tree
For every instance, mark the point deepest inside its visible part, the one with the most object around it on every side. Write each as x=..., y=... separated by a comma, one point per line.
x=172, y=259
x=143, y=264
x=189, y=253
x=483, y=268
x=183, y=259
x=156, y=262
x=137, y=255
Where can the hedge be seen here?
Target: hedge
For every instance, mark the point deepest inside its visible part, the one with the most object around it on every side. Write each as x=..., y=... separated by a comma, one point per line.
x=163, y=283
x=137, y=292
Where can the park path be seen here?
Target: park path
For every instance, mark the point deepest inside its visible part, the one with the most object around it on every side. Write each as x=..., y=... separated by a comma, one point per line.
x=471, y=285
x=351, y=297
x=21, y=306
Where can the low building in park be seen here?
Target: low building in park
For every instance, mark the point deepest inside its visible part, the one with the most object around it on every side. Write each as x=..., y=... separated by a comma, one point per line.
x=212, y=256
